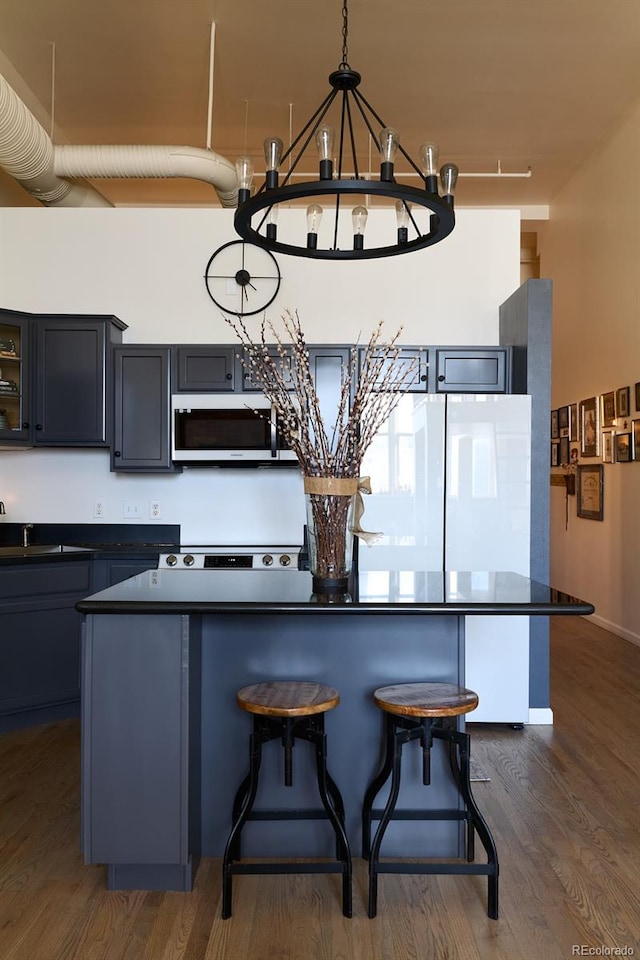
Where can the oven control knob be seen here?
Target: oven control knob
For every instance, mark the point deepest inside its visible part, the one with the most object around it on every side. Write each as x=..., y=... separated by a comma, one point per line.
x=172, y=560
x=188, y=560
x=267, y=560
x=285, y=560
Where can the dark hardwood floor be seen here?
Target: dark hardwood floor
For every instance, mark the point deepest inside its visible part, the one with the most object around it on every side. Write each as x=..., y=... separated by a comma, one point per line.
x=563, y=803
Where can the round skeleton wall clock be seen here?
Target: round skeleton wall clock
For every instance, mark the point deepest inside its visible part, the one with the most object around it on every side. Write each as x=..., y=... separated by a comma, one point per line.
x=242, y=278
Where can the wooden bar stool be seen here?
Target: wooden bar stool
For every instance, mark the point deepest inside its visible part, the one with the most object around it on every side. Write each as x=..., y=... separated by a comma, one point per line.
x=424, y=711
x=287, y=710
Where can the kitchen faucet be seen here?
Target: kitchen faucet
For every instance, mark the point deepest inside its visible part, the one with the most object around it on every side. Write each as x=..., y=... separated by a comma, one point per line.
x=26, y=528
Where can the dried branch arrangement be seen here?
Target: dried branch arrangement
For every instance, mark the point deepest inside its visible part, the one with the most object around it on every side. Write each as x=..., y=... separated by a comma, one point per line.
x=279, y=364
x=330, y=458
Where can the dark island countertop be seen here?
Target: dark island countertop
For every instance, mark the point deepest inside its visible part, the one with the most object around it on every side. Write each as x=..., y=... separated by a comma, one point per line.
x=381, y=591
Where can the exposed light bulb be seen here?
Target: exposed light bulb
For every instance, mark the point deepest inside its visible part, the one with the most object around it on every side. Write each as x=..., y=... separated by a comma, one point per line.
x=272, y=155
x=324, y=142
x=244, y=173
x=448, y=178
x=389, y=140
x=359, y=219
x=403, y=217
x=314, y=217
x=429, y=154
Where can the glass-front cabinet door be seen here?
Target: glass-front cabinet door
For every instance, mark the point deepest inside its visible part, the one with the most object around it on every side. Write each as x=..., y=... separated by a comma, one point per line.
x=14, y=395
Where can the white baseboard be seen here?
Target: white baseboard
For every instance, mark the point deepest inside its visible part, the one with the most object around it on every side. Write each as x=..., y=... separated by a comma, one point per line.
x=614, y=628
x=540, y=715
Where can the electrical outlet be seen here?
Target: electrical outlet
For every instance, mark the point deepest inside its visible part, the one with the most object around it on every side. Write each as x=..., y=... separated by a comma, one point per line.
x=154, y=510
x=98, y=509
x=131, y=509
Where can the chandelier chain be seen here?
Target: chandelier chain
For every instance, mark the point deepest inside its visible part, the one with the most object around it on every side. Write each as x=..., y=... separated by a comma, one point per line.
x=345, y=33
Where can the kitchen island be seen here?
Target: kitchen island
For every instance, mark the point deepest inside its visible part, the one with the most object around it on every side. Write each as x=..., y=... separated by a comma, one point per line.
x=165, y=746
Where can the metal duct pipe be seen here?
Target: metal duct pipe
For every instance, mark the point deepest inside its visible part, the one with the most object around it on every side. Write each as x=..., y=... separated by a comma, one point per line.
x=150, y=161
x=28, y=155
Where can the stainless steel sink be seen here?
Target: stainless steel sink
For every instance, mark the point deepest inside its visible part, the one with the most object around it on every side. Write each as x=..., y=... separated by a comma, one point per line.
x=39, y=550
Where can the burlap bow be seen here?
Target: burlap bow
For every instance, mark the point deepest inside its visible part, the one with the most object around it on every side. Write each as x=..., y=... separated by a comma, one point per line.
x=345, y=487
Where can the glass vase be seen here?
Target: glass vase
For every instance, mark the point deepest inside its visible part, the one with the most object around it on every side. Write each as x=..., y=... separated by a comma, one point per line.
x=330, y=536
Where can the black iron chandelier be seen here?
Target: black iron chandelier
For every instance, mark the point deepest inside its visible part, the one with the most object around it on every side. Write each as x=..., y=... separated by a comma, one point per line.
x=338, y=185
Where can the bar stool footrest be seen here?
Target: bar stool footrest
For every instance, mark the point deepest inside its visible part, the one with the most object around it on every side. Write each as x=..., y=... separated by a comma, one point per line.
x=299, y=814
x=281, y=866
x=422, y=815
x=402, y=866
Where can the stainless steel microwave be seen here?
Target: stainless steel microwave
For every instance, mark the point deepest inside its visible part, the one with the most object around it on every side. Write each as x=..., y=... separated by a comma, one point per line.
x=227, y=429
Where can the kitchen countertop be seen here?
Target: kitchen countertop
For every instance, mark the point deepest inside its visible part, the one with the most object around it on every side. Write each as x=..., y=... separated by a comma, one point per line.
x=53, y=542
x=259, y=591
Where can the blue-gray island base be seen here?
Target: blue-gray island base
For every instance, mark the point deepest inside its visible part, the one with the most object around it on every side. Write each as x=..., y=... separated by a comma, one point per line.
x=165, y=746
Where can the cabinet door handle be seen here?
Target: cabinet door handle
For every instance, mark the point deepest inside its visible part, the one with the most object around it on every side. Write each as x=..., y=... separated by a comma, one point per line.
x=424, y=378
x=442, y=377
x=228, y=376
x=38, y=426
x=25, y=426
x=117, y=453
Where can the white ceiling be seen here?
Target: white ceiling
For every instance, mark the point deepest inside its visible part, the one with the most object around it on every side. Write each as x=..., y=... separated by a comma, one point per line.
x=527, y=83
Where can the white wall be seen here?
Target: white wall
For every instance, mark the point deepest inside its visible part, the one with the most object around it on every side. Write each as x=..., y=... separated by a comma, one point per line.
x=591, y=248
x=147, y=268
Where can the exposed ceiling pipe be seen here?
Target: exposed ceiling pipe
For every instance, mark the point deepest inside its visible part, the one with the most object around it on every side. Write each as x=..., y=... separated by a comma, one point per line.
x=127, y=161
x=28, y=154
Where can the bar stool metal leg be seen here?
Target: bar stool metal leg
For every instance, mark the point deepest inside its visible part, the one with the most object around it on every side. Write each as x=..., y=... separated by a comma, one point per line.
x=397, y=739
x=233, y=843
x=376, y=786
x=343, y=853
x=463, y=743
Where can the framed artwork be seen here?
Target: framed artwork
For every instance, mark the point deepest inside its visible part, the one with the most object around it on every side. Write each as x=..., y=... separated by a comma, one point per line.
x=564, y=450
x=608, y=451
x=590, y=504
x=589, y=427
x=637, y=396
x=554, y=425
x=635, y=439
x=555, y=454
x=623, y=447
x=563, y=421
x=573, y=421
x=622, y=402
x=608, y=409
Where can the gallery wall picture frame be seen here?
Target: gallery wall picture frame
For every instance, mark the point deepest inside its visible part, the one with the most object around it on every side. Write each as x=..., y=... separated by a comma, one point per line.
x=589, y=427
x=590, y=501
x=622, y=402
x=635, y=439
x=573, y=422
x=608, y=449
x=609, y=409
x=554, y=425
x=623, y=447
x=637, y=390
x=555, y=454
x=563, y=421
x=564, y=451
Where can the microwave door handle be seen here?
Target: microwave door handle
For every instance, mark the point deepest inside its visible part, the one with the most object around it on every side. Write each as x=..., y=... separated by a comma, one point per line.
x=274, y=426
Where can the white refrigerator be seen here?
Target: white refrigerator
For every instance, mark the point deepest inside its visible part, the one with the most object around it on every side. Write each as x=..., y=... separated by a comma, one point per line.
x=451, y=487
